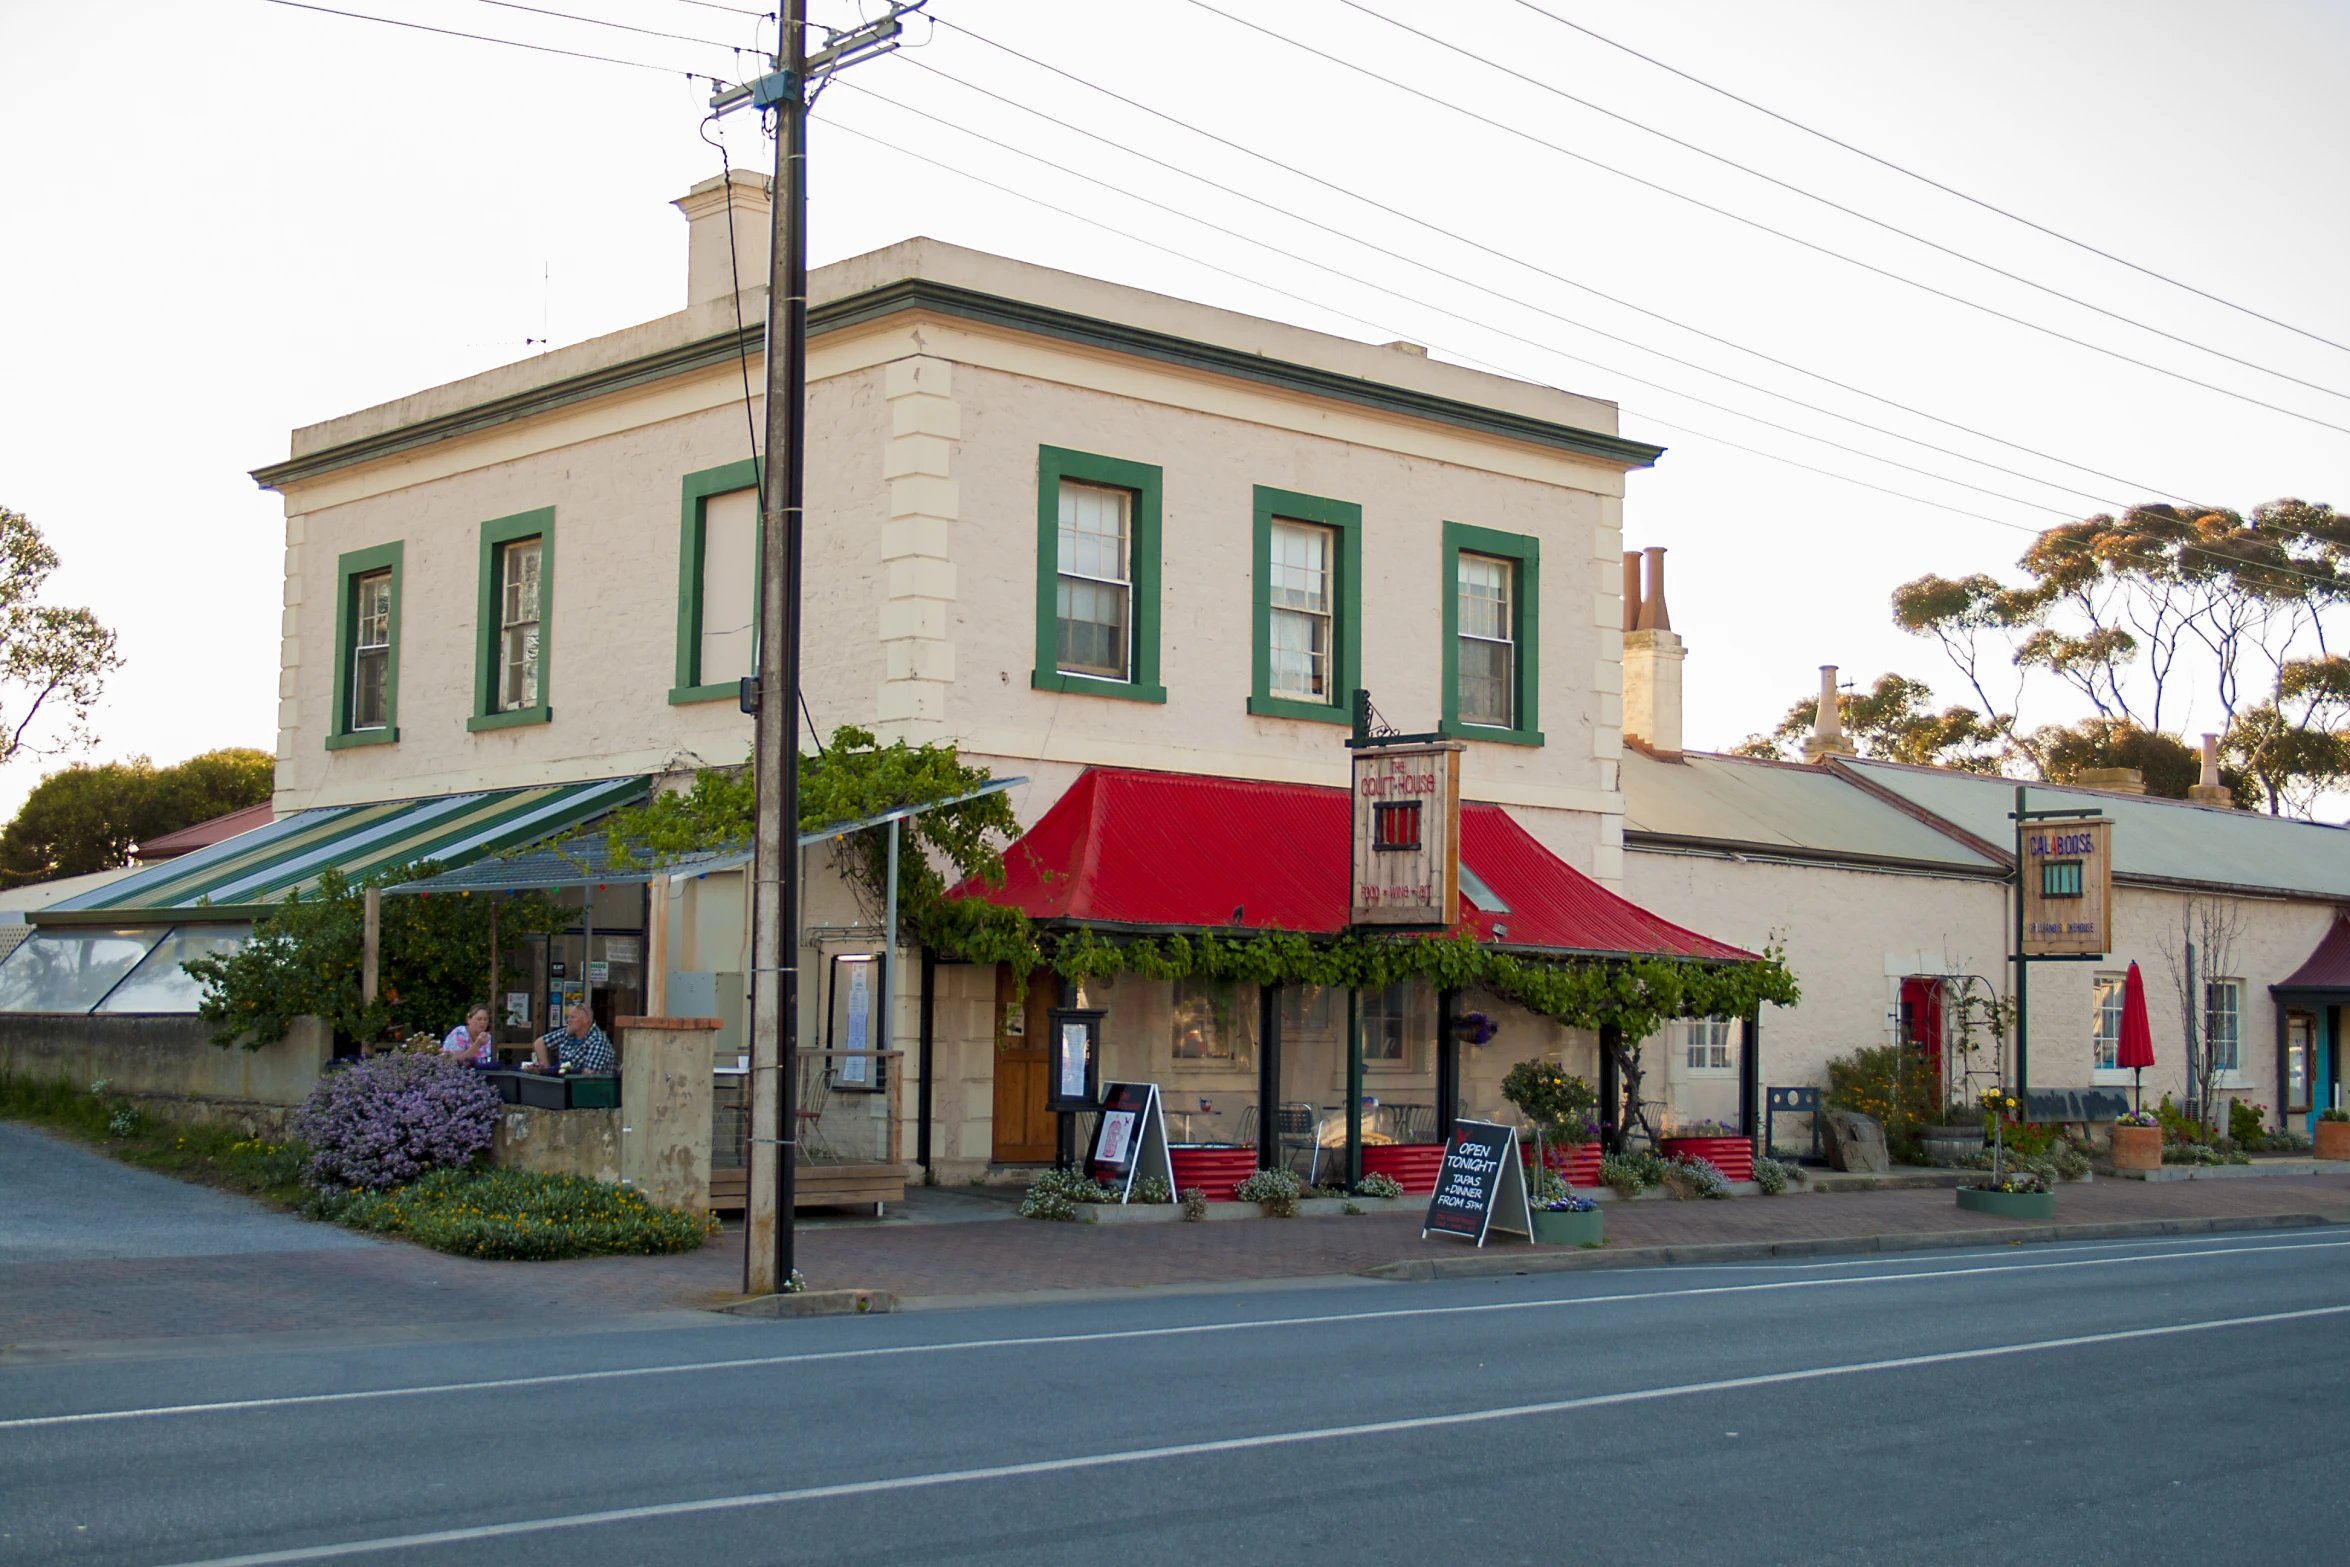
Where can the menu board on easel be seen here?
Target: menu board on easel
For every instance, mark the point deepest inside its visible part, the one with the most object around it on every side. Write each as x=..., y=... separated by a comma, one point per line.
x=1482, y=1186
x=1130, y=1138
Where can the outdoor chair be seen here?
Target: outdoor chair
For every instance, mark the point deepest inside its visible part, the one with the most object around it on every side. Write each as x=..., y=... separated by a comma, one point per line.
x=1246, y=1137
x=1298, y=1127
x=815, y=1093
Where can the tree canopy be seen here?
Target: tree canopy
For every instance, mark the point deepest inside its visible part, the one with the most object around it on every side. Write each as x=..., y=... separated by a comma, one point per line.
x=85, y=818
x=53, y=661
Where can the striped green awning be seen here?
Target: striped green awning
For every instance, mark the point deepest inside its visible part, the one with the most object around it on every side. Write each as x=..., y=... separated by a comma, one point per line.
x=244, y=875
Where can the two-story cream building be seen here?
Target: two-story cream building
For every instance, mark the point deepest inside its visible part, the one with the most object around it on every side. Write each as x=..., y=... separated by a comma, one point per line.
x=1059, y=523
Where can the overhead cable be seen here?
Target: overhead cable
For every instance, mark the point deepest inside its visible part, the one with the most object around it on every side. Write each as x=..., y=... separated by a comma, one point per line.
x=1927, y=179
x=1761, y=227
x=597, y=21
x=1836, y=206
x=511, y=43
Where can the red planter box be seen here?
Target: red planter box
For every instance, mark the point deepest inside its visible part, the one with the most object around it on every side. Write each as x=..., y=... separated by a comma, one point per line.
x=1216, y=1171
x=1733, y=1156
x=1578, y=1166
x=1413, y=1166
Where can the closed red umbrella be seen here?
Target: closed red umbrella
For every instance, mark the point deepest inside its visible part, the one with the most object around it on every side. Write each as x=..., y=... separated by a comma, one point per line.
x=2137, y=1041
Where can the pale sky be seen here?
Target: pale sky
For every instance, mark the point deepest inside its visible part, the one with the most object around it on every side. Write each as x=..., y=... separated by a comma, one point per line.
x=229, y=218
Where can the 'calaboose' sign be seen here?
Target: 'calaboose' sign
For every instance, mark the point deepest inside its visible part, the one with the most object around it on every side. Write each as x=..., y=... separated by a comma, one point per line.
x=1407, y=834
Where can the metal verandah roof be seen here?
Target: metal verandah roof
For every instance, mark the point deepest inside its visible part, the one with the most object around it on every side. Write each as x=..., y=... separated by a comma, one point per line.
x=1179, y=851
x=245, y=875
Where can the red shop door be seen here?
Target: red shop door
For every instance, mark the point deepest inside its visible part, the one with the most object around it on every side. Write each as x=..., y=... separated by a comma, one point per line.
x=1921, y=1021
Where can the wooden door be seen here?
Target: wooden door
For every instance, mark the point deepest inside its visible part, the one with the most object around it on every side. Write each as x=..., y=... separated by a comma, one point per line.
x=1921, y=1022
x=1025, y=1131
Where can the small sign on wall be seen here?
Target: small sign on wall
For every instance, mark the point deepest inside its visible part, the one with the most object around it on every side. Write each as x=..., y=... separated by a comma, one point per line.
x=2067, y=872
x=1407, y=835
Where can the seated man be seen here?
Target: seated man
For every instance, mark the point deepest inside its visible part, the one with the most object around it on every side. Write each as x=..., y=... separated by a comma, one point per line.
x=578, y=1046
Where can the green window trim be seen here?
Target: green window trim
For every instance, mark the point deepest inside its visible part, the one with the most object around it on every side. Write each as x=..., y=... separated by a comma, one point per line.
x=538, y=524
x=698, y=489
x=1345, y=519
x=348, y=569
x=1144, y=483
x=1525, y=552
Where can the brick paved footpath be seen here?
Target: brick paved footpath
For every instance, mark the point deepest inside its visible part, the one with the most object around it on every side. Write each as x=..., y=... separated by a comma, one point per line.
x=391, y=1286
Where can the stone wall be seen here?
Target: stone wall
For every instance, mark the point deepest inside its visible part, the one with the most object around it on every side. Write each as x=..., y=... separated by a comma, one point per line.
x=559, y=1142
x=170, y=1064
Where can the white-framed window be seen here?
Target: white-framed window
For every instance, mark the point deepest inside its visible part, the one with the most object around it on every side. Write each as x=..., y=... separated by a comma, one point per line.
x=371, y=650
x=1394, y=1021
x=1709, y=1044
x=1487, y=634
x=518, y=625
x=2106, y=1042
x=730, y=581
x=1096, y=596
x=2223, y=1002
x=1202, y=1020
x=1300, y=630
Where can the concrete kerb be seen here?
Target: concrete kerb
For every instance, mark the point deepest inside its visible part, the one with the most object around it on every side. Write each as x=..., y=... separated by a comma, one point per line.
x=1515, y=1260
x=815, y=1303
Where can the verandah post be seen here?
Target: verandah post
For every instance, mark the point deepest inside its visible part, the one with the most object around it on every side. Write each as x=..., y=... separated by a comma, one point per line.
x=1354, y=1088
x=1268, y=1076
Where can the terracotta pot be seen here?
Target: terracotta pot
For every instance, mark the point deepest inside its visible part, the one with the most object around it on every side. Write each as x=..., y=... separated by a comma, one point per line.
x=2139, y=1148
x=2333, y=1140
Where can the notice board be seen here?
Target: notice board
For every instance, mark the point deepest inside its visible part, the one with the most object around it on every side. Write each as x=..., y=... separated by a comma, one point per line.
x=1482, y=1186
x=1130, y=1138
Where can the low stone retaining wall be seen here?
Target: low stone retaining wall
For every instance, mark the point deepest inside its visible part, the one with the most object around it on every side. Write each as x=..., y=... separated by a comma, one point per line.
x=170, y=1065
x=559, y=1142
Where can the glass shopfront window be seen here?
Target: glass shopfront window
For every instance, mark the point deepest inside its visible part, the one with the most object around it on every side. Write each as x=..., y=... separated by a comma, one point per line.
x=1196, y=1039
x=1693, y=1078
x=1511, y=1034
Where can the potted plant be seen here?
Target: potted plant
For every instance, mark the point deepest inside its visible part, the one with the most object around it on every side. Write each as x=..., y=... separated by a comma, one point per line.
x=2333, y=1134
x=2024, y=1196
x=2137, y=1141
x=1569, y=1221
x=1955, y=1136
x=1555, y=1103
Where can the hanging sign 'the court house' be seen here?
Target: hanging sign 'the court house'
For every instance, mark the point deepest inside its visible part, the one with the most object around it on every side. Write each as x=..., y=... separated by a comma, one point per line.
x=1407, y=834
x=2067, y=872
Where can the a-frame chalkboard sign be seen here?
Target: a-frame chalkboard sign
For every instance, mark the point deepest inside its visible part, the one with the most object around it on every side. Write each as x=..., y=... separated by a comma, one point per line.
x=1482, y=1186
x=1130, y=1137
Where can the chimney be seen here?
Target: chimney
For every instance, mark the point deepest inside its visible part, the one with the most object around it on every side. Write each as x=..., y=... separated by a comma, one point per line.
x=716, y=268
x=1827, y=730
x=1652, y=660
x=2209, y=790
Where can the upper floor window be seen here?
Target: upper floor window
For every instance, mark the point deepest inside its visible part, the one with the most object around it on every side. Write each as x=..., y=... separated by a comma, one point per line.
x=1488, y=643
x=717, y=583
x=371, y=651
x=517, y=593
x=1302, y=611
x=518, y=626
x=1095, y=604
x=366, y=690
x=1492, y=666
x=1097, y=576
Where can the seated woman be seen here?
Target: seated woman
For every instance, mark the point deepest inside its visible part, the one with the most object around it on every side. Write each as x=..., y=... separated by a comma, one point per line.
x=470, y=1041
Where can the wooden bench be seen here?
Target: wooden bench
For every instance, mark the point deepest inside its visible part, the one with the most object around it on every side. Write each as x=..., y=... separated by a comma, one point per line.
x=821, y=1186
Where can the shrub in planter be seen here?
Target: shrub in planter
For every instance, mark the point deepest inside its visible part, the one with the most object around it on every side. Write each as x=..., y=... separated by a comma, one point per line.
x=1152, y=1188
x=1277, y=1190
x=1377, y=1185
x=1630, y=1174
x=1056, y=1194
x=384, y=1121
x=1570, y=1221
x=1774, y=1177
x=1195, y=1204
x=519, y=1215
x=1688, y=1177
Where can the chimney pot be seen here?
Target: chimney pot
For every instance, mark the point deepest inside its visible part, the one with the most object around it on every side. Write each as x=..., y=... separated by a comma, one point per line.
x=1631, y=590
x=1653, y=614
x=2209, y=790
x=1827, y=727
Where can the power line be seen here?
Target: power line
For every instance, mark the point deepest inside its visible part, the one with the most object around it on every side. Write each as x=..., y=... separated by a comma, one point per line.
x=1495, y=293
x=1927, y=179
x=1756, y=224
x=1195, y=259
x=511, y=43
x=597, y=21
x=712, y=5
x=1556, y=277
x=1540, y=347
x=1837, y=206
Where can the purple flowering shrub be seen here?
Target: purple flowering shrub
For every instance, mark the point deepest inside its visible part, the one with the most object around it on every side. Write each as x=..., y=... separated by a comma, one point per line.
x=386, y=1120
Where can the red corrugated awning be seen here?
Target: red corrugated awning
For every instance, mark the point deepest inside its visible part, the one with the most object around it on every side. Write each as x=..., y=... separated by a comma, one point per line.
x=2326, y=968
x=1147, y=851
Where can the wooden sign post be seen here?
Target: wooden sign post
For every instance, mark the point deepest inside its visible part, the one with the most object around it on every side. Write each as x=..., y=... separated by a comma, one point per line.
x=1407, y=834
x=2063, y=903
x=1482, y=1186
x=1130, y=1137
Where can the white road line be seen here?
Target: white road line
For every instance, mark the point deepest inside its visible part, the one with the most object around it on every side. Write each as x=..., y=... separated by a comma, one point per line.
x=1238, y=1444
x=877, y=1352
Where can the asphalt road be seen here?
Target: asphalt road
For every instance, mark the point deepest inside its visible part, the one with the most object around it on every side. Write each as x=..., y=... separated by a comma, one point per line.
x=2131, y=1403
